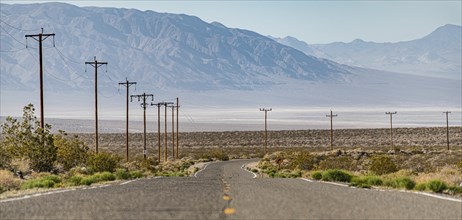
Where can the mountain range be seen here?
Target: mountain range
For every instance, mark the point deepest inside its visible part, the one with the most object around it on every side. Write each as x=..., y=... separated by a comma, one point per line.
x=438, y=54
x=207, y=64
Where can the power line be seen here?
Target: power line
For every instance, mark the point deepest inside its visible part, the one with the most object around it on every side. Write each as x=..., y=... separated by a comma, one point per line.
x=19, y=29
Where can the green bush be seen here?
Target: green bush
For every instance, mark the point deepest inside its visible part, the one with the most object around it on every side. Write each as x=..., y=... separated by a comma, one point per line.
x=71, y=152
x=2, y=190
x=382, y=164
x=366, y=181
x=336, y=176
x=437, y=186
x=53, y=178
x=49, y=181
x=400, y=182
x=88, y=180
x=102, y=161
x=136, y=174
x=122, y=174
x=453, y=190
x=105, y=176
x=317, y=175
x=75, y=180
x=26, y=139
x=420, y=187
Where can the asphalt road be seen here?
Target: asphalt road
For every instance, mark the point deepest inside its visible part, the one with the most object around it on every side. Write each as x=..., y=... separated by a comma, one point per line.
x=225, y=191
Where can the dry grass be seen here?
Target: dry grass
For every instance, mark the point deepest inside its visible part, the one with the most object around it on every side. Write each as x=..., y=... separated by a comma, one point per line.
x=8, y=181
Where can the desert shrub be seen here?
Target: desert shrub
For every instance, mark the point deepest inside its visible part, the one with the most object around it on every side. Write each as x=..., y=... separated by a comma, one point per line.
x=336, y=176
x=103, y=161
x=53, y=178
x=122, y=174
x=2, y=190
x=8, y=181
x=382, y=165
x=437, y=186
x=215, y=153
x=334, y=162
x=459, y=165
x=366, y=181
x=75, y=180
x=317, y=175
x=71, y=152
x=26, y=139
x=301, y=160
x=420, y=187
x=455, y=190
x=136, y=174
x=104, y=176
x=5, y=157
x=400, y=182
x=88, y=180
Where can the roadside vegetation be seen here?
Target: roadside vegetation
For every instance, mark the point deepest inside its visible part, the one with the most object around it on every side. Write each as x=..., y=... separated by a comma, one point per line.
x=413, y=169
x=34, y=158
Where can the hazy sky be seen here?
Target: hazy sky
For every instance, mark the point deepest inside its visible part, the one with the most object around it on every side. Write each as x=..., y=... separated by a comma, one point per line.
x=311, y=21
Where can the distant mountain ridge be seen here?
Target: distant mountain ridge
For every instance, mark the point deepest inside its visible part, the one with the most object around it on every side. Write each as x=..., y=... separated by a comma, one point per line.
x=438, y=54
x=165, y=49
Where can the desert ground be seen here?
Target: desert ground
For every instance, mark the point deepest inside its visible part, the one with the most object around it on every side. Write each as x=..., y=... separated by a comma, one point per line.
x=252, y=142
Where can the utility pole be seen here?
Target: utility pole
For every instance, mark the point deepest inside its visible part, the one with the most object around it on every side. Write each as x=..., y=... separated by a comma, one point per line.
x=177, y=126
x=165, y=104
x=447, y=127
x=391, y=126
x=331, y=116
x=40, y=38
x=127, y=84
x=143, y=97
x=96, y=65
x=266, y=127
x=158, y=129
x=173, y=131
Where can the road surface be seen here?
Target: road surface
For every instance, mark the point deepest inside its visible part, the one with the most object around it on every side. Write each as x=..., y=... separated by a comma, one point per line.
x=224, y=190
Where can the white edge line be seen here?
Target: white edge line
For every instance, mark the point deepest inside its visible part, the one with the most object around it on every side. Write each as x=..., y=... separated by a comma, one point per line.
x=254, y=174
x=126, y=182
x=195, y=174
x=36, y=195
x=384, y=190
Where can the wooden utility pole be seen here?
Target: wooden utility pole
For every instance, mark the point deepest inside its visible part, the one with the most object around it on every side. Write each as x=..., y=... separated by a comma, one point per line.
x=266, y=126
x=331, y=116
x=96, y=65
x=40, y=38
x=177, y=127
x=173, y=131
x=391, y=126
x=143, y=97
x=158, y=130
x=127, y=84
x=447, y=127
x=165, y=104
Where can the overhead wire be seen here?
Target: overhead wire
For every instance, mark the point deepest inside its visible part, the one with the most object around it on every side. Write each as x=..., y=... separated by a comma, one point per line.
x=19, y=29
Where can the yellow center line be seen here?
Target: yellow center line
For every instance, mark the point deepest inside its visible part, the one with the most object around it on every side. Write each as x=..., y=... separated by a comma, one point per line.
x=229, y=211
